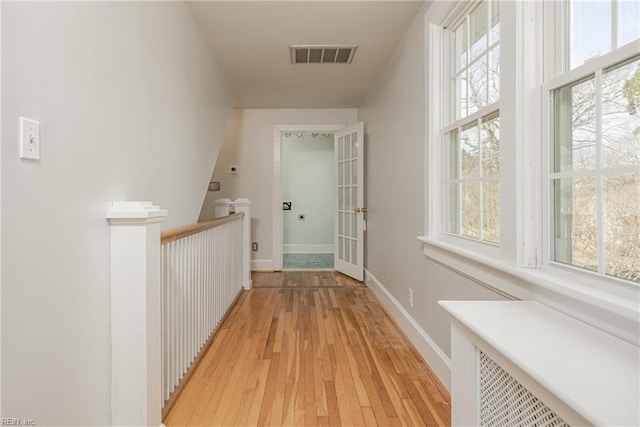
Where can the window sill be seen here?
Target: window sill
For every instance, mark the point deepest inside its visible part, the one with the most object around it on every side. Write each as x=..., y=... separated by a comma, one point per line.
x=617, y=313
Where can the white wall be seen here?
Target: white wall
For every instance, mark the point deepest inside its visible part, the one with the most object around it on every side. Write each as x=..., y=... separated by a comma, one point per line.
x=248, y=143
x=132, y=106
x=394, y=117
x=308, y=180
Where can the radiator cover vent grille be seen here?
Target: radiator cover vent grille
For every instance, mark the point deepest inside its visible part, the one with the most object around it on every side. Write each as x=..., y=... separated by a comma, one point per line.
x=505, y=402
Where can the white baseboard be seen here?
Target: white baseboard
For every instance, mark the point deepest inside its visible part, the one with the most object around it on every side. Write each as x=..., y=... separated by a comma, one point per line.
x=261, y=265
x=428, y=349
x=308, y=249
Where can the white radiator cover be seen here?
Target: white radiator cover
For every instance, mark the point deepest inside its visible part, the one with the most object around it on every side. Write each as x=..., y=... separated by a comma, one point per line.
x=520, y=363
x=504, y=402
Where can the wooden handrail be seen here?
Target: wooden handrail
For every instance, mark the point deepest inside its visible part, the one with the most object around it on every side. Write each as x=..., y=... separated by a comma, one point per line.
x=179, y=233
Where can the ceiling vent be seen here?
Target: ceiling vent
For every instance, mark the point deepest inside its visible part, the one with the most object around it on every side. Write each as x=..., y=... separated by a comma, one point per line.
x=314, y=54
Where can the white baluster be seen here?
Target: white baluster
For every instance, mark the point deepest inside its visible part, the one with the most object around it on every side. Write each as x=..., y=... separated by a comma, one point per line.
x=190, y=299
x=201, y=276
x=174, y=316
x=182, y=287
x=164, y=344
x=199, y=284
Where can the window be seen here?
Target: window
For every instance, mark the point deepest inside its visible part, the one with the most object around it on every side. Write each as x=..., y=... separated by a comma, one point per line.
x=533, y=152
x=472, y=130
x=594, y=168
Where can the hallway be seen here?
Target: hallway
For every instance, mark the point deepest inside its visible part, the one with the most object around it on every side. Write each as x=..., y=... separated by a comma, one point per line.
x=310, y=348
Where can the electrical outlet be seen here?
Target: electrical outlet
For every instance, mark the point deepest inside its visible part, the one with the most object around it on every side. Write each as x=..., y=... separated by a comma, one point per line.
x=410, y=297
x=254, y=246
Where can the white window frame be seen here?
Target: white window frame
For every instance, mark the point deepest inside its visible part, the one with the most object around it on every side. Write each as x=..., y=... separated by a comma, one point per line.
x=440, y=85
x=521, y=269
x=474, y=120
x=555, y=78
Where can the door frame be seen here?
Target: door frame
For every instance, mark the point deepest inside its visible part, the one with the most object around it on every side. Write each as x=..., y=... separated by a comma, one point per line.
x=278, y=216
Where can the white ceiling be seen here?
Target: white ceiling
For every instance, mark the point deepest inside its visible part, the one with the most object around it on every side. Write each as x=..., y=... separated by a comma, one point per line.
x=251, y=41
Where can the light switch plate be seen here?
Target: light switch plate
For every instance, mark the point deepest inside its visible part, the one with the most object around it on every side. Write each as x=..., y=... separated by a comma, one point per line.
x=29, y=139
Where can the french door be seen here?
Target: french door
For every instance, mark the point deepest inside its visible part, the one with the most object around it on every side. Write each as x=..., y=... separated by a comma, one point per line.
x=350, y=210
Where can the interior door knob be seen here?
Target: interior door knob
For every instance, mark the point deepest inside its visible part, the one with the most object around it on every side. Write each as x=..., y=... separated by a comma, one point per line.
x=360, y=210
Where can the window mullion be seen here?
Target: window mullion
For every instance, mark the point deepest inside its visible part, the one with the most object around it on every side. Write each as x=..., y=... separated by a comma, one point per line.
x=459, y=185
x=485, y=54
x=564, y=12
x=480, y=183
x=468, y=65
x=488, y=23
x=599, y=200
x=486, y=67
x=614, y=24
x=466, y=93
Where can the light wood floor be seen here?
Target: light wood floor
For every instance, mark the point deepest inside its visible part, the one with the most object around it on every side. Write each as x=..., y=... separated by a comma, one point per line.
x=310, y=348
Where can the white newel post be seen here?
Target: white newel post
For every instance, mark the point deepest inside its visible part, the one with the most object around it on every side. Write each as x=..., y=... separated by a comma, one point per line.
x=222, y=207
x=244, y=205
x=136, y=396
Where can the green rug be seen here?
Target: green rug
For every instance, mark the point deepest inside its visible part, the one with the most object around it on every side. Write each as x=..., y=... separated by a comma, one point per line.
x=308, y=260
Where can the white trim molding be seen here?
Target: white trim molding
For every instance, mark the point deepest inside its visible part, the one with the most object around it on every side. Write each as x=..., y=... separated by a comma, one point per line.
x=278, y=218
x=262, y=265
x=615, y=312
x=426, y=346
x=309, y=249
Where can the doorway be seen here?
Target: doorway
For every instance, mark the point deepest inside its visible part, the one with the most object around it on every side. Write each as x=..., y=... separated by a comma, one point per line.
x=348, y=205
x=320, y=253
x=308, y=182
